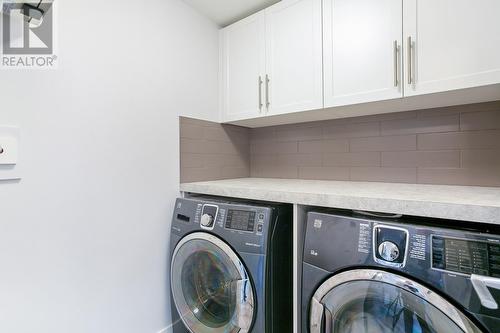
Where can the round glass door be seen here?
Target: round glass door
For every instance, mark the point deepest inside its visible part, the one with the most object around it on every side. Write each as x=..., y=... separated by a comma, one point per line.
x=210, y=286
x=370, y=301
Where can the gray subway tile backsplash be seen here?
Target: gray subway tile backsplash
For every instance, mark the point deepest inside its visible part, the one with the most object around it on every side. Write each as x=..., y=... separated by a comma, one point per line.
x=275, y=171
x=384, y=143
x=435, y=124
x=190, y=160
x=460, y=140
x=352, y=159
x=484, y=120
x=191, y=131
x=357, y=130
x=425, y=159
x=273, y=147
x=324, y=173
x=288, y=133
x=460, y=176
x=384, y=174
x=211, y=151
x=481, y=158
x=324, y=146
x=298, y=159
x=458, y=145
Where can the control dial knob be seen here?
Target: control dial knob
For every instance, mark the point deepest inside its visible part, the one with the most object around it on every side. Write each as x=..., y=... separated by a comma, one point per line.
x=388, y=251
x=207, y=220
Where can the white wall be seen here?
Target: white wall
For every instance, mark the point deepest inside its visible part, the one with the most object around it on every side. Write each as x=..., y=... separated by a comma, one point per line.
x=83, y=236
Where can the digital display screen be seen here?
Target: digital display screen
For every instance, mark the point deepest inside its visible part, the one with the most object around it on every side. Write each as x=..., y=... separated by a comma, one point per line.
x=465, y=256
x=240, y=220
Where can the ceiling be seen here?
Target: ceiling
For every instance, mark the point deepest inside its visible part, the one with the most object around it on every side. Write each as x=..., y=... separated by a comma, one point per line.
x=225, y=12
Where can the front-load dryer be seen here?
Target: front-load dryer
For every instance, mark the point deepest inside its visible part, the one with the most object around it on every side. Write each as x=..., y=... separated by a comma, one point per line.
x=231, y=267
x=372, y=274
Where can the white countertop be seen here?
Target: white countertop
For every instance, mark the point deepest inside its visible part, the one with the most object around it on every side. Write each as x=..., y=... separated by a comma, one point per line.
x=468, y=203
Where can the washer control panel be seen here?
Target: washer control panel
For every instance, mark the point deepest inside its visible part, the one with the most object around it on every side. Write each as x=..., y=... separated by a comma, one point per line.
x=466, y=256
x=248, y=227
x=245, y=220
x=242, y=220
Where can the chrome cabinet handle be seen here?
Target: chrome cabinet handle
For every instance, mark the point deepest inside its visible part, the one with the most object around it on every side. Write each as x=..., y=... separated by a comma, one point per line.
x=396, y=53
x=260, y=93
x=267, y=92
x=409, y=50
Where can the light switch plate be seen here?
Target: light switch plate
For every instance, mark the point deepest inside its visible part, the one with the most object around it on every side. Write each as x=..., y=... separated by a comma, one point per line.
x=9, y=145
x=9, y=148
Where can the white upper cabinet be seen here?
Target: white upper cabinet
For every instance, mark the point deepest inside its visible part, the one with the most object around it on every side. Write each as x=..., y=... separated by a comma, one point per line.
x=243, y=68
x=272, y=61
x=294, y=56
x=335, y=58
x=455, y=44
x=362, y=50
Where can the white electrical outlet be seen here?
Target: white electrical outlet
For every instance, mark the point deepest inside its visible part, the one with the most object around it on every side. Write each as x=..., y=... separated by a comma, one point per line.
x=9, y=152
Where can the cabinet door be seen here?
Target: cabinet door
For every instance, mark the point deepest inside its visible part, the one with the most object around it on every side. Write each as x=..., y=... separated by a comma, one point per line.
x=293, y=56
x=362, y=50
x=454, y=44
x=243, y=63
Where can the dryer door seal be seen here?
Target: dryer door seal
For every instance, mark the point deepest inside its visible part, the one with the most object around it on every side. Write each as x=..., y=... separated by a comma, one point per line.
x=210, y=286
x=365, y=300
